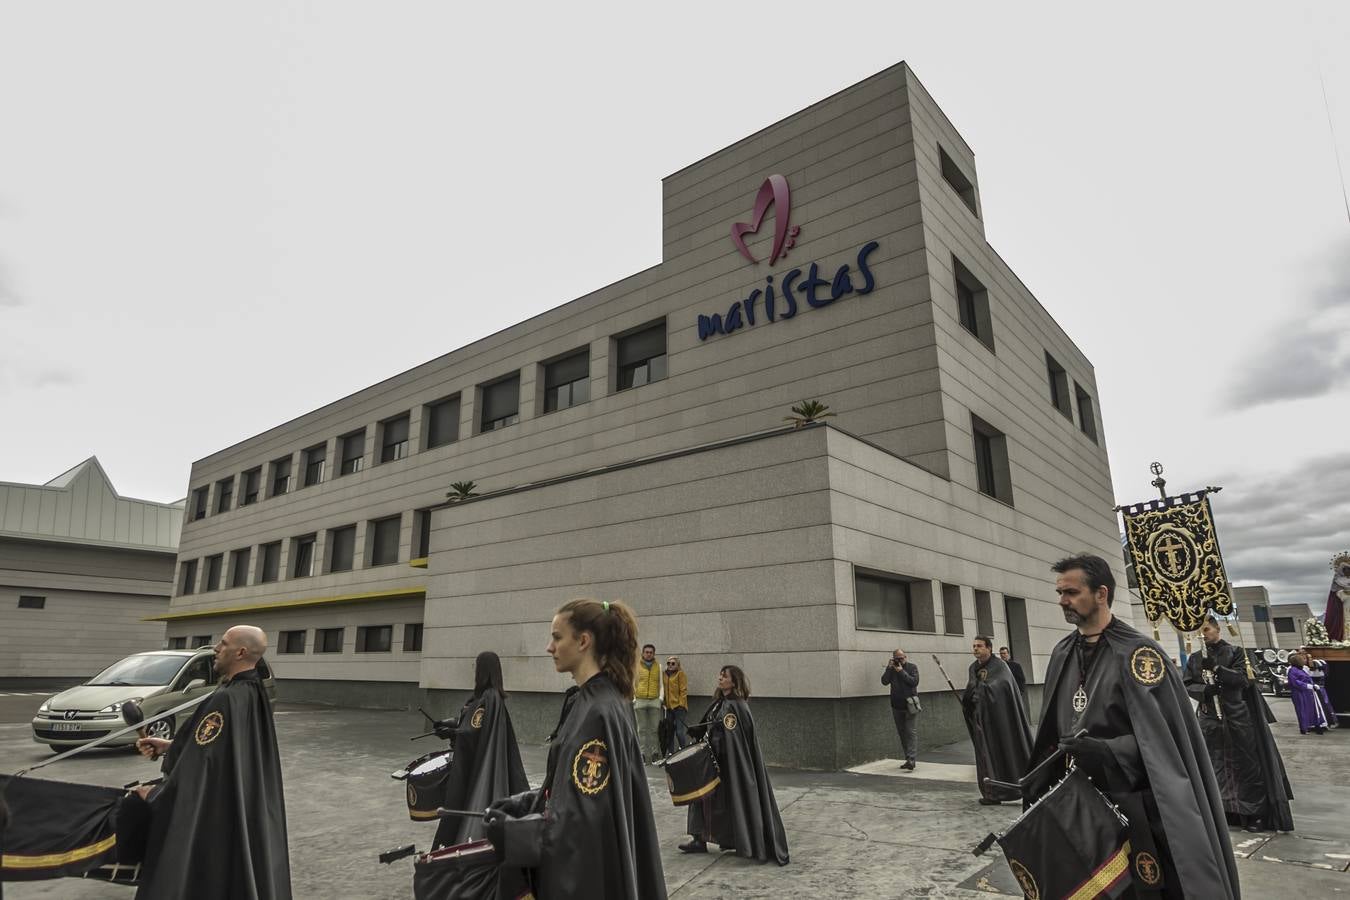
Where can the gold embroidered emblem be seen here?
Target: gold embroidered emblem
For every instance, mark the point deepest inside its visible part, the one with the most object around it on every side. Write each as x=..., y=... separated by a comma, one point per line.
x=590, y=768
x=1147, y=666
x=982, y=674
x=209, y=728
x=1024, y=880
x=1147, y=868
x=729, y=722
x=412, y=796
x=477, y=720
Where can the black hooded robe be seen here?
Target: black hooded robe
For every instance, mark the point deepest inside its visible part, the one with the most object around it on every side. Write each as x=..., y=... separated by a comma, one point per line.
x=218, y=821
x=1246, y=763
x=998, y=727
x=745, y=815
x=599, y=838
x=1158, y=772
x=486, y=766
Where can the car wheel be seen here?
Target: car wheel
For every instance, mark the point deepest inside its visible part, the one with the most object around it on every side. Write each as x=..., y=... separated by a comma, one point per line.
x=163, y=729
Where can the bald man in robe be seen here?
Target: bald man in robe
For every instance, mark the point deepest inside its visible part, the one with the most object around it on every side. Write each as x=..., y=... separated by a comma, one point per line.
x=218, y=820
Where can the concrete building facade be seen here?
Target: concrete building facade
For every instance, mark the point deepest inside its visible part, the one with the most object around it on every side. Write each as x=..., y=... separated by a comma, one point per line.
x=1251, y=603
x=1286, y=622
x=83, y=573
x=630, y=444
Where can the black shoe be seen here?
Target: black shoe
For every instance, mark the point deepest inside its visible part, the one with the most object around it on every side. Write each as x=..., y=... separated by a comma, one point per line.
x=985, y=801
x=909, y=765
x=694, y=847
x=1254, y=826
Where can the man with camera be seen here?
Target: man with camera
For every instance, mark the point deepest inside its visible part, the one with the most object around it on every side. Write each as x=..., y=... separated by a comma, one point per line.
x=903, y=678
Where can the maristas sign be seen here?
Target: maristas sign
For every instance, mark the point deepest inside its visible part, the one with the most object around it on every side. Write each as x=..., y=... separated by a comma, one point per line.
x=808, y=285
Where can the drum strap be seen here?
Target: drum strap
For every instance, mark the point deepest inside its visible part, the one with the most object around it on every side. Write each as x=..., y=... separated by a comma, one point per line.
x=1146, y=863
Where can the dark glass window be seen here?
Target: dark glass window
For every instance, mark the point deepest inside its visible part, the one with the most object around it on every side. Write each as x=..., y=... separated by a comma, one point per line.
x=201, y=640
x=251, y=483
x=992, y=473
x=501, y=404
x=952, y=174
x=1059, y=387
x=374, y=638
x=972, y=303
x=328, y=640
x=271, y=562
x=567, y=382
x=412, y=637
x=314, y=459
x=641, y=357
x=1260, y=614
x=303, y=551
x=291, y=642
x=239, y=567
x=394, y=439
x=281, y=476
x=384, y=541
x=28, y=601
x=423, y=548
x=1284, y=624
x=882, y=603
x=177, y=643
x=188, y=584
x=224, y=494
x=442, y=421
x=199, y=503
x=1087, y=419
x=353, y=450
x=342, y=546
x=213, y=566
x=953, y=619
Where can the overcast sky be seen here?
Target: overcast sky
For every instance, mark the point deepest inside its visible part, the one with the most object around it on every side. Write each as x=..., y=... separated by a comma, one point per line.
x=214, y=218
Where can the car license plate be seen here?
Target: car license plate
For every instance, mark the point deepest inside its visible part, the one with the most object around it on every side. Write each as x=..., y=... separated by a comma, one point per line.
x=65, y=726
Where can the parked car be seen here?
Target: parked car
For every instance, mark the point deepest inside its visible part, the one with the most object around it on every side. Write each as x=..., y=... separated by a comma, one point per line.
x=159, y=680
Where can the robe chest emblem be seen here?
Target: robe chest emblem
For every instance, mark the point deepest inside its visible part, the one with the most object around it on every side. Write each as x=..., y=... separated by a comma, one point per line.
x=477, y=720
x=1146, y=666
x=590, y=767
x=1147, y=868
x=209, y=728
x=1024, y=880
x=729, y=722
x=982, y=674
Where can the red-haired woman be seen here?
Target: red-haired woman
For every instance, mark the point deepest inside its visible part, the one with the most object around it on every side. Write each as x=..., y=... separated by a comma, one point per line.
x=588, y=831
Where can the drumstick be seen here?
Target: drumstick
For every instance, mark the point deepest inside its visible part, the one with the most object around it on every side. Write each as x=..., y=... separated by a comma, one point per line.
x=443, y=813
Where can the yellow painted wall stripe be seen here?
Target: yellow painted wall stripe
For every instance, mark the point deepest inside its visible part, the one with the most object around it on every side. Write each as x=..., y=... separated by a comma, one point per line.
x=17, y=861
x=402, y=593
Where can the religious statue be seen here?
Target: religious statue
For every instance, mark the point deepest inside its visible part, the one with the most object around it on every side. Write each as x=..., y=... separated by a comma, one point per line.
x=1338, y=598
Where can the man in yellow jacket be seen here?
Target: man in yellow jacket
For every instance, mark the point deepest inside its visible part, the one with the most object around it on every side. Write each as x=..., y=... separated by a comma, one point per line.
x=647, y=703
x=675, y=684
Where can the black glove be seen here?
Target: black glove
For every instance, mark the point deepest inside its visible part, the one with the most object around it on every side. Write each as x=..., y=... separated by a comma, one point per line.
x=697, y=732
x=515, y=805
x=494, y=826
x=446, y=728
x=1089, y=750
x=1208, y=662
x=1211, y=691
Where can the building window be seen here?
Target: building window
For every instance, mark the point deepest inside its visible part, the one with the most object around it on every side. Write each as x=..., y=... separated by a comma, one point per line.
x=28, y=601
x=501, y=403
x=442, y=421
x=1284, y=624
x=984, y=614
x=302, y=551
x=384, y=540
x=953, y=619
x=374, y=638
x=1260, y=613
x=239, y=561
x=1059, y=387
x=328, y=640
x=250, y=483
x=271, y=562
x=952, y=174
x=394, y=438
x=188, y=582
x=422, y=545
x=199, y=503
x=224, y=494
x=281, y=476
x=991, y=461
x=641, y=357
x=291, y=642
x=314, y=458
x=342, y=548
x=972, y=303
x=1087, y=420
x=412, y=638
x=178, y=643
x=213, y=566
x=201, y=640
x=567, y=381
x=882, y=603
x=353, y=447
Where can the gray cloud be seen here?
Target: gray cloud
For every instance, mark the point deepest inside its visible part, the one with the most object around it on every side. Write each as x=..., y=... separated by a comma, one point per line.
x=8, y=295
x=1308, y=356
x=1282, y=529
x=24, y=375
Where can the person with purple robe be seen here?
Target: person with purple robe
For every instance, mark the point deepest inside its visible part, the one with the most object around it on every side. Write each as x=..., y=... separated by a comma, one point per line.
x=1307, y=704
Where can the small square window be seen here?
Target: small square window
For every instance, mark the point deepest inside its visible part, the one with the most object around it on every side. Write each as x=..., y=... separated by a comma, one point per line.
x=567, y=381
x=442, y=421
x=394, y=438
x=1059, y=386
x=225, y=494
x=328, y=640
x=342, y=548
x=374, y=638
x=412, y=638
x=199, y=503
x=972, y=304
x=302, y=554
x=641, y=357
x=501, y=403
x=188, y=577
x=953, y=619
x=314, y=460
x=353, y=452
x=993, y=476
x=201, y=640
x=177, y=643
x=213, y=566
x=1087, y=417
x=271, y=562
x=957, y=180
x=384, y=540
x=281, y=476
x=291, y=642
x=251, y=483
x=239, y=561
x=28, y=601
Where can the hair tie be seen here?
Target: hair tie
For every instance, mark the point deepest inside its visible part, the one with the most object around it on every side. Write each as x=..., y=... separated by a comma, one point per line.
x=605, y=603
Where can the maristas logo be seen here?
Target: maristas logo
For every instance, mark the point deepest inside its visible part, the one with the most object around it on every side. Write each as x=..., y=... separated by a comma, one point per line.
x=774, y=191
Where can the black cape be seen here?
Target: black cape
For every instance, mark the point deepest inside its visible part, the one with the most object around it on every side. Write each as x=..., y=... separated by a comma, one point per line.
x=218, y=821
x=1159, y=771
x=1242, y=751
x=744, y=812
x=599, y=839
x=998, y=727
x=486, y=766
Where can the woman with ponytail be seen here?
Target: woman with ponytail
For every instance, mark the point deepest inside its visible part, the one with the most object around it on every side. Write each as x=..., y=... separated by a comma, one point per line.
x=588, y=830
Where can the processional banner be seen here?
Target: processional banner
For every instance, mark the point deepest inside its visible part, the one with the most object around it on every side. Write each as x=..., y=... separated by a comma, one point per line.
x=1177, y=560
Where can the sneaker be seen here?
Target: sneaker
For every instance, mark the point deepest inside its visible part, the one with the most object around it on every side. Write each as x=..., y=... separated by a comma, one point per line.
x=694, y=847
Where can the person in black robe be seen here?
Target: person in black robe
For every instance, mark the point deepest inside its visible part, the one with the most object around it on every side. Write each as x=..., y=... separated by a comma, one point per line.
x=218, y=820
x=1019, y=675
x=588, y=831
x=741, y=813
x=1248, y=769
x=1142, y=746
x=486, y=764
x=997, y=722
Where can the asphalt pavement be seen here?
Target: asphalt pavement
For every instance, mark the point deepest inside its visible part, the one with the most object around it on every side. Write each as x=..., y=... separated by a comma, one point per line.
x=872, y=832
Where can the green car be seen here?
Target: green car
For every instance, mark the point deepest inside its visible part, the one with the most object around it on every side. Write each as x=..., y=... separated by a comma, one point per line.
x=159, y=680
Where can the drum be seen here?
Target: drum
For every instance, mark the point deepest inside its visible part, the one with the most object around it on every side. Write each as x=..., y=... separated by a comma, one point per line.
x=1270, y=656
x=691, y=773
x=426, y=784
x=464, y=870
x=1282, y=656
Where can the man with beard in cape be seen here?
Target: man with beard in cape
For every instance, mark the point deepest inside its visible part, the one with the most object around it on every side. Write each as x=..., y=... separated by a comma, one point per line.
x=741, y=813
x=1246, y=763
x=487, y=762
x=1142, y=748
x=588, y=831
x=218, y=819
x=997, y=722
